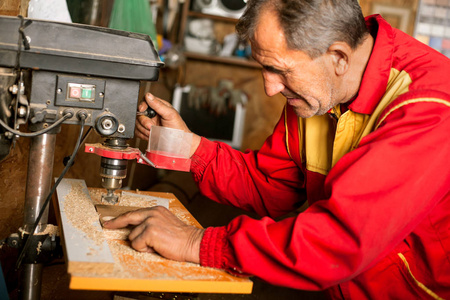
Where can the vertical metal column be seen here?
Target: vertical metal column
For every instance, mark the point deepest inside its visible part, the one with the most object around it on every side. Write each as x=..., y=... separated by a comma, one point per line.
x=39, y=182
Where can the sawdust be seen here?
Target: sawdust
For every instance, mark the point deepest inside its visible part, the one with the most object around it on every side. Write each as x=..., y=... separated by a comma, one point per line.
x=50, y=229
x=141, y=201
x=38, y=248
x=123, y=248
x=183, y=215
x=81, y=213
x=129, y=263
x=116, y=234
x=149, y=265
x=79, y=206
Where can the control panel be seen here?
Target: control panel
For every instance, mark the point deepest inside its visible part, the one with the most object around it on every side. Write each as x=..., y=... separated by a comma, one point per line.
x=77, y=91
x=109, y=103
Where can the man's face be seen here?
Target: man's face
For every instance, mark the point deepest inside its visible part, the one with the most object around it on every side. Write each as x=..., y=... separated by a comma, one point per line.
x=307, y=84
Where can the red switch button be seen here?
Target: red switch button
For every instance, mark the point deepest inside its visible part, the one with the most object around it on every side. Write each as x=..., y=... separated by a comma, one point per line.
x=74, y=92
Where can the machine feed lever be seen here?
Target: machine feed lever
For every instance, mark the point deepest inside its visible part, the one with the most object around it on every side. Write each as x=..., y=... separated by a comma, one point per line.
x=149, y=112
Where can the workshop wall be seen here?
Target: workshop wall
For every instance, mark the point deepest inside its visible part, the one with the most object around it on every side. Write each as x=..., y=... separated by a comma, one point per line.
x=14, y=7
x=394, y=11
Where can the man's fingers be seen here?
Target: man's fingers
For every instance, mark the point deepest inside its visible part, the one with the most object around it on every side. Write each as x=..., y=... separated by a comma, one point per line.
x=130, y=218
x=140, y=243
x=137, y=242
x=136, y=231
x=142, y=125
x=140, y=240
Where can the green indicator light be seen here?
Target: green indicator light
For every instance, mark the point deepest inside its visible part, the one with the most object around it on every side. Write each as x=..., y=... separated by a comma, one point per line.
x=86, y=93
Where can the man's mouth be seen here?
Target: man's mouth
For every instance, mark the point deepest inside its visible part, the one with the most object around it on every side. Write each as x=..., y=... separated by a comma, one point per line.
x=296, y=99
x=292, y=101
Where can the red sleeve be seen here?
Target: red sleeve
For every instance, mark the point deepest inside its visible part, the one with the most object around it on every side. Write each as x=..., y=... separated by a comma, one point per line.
x=378, y=194
x=267, y=181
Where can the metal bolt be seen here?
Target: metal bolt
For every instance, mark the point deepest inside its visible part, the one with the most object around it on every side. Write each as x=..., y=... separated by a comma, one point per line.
x=59, y=91
x=22, y=112
x=14, y=89
x=91, y=149
x=107, y=124
x=121, y=128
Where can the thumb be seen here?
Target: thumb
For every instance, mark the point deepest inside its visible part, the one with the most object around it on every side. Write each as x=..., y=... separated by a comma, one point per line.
x=142, y=106
x=154, y=102
x=162, y=107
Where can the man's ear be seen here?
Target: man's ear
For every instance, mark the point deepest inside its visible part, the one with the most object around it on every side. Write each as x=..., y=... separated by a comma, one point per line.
x=340, y=54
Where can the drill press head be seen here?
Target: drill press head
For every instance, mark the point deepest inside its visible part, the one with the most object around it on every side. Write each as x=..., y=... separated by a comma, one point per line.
x=83, y=70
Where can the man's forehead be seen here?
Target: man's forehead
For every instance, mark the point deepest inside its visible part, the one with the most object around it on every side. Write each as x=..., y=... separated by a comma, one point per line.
x=268, y=24
x=268, y=34
x=273, y=52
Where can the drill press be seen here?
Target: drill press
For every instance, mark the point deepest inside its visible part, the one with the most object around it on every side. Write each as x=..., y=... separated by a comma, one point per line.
x=53, y=73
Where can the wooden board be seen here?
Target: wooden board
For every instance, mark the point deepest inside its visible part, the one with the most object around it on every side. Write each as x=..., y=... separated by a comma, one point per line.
x=135, y=271
x=84, y=250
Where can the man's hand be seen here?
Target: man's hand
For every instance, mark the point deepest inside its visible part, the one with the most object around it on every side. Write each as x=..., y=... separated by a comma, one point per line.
x=167, y=116
x=158, y=230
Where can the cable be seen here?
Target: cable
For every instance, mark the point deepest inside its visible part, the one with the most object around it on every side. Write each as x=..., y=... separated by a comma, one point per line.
x=33, y=134
x=22, y=39
x=67, y=158
x=86, y=135
x=49, y=197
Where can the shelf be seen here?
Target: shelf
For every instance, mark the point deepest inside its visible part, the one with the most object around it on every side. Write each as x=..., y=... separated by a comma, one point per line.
x=224, y=60
x=212, y=17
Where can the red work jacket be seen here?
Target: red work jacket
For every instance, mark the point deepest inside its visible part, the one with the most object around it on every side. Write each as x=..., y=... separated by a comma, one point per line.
x=377, y=182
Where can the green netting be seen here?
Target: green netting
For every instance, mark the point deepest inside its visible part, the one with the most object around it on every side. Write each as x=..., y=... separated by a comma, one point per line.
x=133, y=16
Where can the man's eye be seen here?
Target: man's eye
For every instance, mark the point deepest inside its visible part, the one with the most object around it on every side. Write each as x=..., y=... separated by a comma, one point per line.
x=273, y=70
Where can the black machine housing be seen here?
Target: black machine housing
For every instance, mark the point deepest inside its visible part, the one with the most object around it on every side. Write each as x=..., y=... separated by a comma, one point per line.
x=59, y=67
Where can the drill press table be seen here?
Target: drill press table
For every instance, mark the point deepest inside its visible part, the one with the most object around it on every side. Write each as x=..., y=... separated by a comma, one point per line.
x=100, y=259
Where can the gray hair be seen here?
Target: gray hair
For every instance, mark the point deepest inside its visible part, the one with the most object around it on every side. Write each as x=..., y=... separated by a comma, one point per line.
x=311, y=26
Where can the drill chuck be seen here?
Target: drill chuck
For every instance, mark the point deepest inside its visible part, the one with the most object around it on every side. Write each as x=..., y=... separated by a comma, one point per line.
x=112, y=172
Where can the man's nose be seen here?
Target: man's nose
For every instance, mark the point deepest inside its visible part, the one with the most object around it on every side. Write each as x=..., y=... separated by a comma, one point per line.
x=272, y=84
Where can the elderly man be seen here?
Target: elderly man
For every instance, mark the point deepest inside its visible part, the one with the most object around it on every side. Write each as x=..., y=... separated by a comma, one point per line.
x=364, y=138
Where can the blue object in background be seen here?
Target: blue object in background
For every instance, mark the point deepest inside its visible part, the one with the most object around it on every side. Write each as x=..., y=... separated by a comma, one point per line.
x=3, y=289
x=436, y=43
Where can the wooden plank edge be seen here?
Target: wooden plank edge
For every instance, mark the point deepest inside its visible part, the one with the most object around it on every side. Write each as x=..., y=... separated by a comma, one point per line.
x=175, y=286
x=91, y=267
